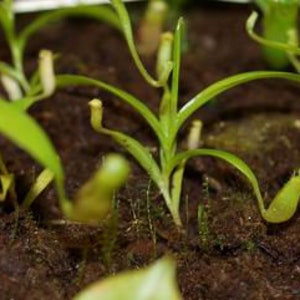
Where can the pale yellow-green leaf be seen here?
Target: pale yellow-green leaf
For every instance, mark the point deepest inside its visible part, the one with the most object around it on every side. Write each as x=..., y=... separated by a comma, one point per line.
x=157, y=282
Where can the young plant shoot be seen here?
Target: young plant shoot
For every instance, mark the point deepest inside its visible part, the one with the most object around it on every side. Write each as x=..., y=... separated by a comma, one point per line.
x=24, y=91
x=279, y=25
x=41, y=84
x=94, y=200
x=167, y=172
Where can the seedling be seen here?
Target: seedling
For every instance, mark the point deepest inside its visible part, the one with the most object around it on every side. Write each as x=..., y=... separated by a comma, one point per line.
x=93, y=201
x=279, y=26
x=156, y=282
x=24, y=91
x=168, y=170
x=14, y=80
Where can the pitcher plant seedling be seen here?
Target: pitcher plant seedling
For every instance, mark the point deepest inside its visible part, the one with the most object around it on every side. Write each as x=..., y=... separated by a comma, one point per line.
x=93, y=201
x=167, y=172
x=279, y=26
x=24, y=91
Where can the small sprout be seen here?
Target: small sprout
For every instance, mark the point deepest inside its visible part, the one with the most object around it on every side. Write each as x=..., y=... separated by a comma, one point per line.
x=46, y=72
x=203, y=228
x=151, y=27
x=11, y=87
x=156, y=282
x=93, y=203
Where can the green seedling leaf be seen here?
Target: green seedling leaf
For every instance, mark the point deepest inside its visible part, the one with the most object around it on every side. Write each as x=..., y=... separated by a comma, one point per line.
x=223, y=85
x=7, y=181
x=145, y=112
x=136, y=149
x=101, y=13
x=93, y=202
x=176, y=62
x=127, y=30
x=284, y=205
x=25, y=132
x=156, y=282
x=278, y=19
x=40, y=184
x=232, y=160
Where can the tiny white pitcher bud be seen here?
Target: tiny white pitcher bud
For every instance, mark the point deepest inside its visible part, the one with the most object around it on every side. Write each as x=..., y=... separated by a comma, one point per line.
x=194, y=136
x=96, y=109
x=151, y=26
x=46, y=72
x=11, y=87
x=164, y=55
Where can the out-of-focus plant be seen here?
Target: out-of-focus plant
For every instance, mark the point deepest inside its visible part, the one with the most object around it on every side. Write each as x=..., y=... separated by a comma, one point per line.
x=23, y=91
x=279, y=27
x=151, y=27
x=156, y=282
x=13, y=77
x=93, y=201
x=168, y=169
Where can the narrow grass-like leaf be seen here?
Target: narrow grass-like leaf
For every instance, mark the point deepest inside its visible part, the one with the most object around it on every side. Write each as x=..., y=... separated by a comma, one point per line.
x=232, y=160
x=176, y=62
x=223, y=85
x=285, y=203
x=127, y=30
x=67, y=80
x=157, y=282
x=101, y=13
x=135, y=148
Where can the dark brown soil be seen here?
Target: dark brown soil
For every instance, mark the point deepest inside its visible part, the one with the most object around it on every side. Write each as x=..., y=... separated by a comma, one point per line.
x=235, y=255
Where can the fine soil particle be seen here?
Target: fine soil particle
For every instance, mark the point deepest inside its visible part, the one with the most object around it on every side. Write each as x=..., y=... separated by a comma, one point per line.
x=231, y=253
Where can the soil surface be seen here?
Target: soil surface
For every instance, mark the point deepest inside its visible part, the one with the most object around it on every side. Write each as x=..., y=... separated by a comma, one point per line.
x=233, y=254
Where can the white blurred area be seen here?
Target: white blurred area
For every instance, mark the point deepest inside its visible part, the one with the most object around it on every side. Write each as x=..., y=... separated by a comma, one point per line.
x=23, y=6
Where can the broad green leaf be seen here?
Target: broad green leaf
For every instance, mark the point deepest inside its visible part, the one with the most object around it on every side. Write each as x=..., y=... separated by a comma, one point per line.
x=67, y=80
x=25, y=132
x=223, y=85
x=157, y=282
